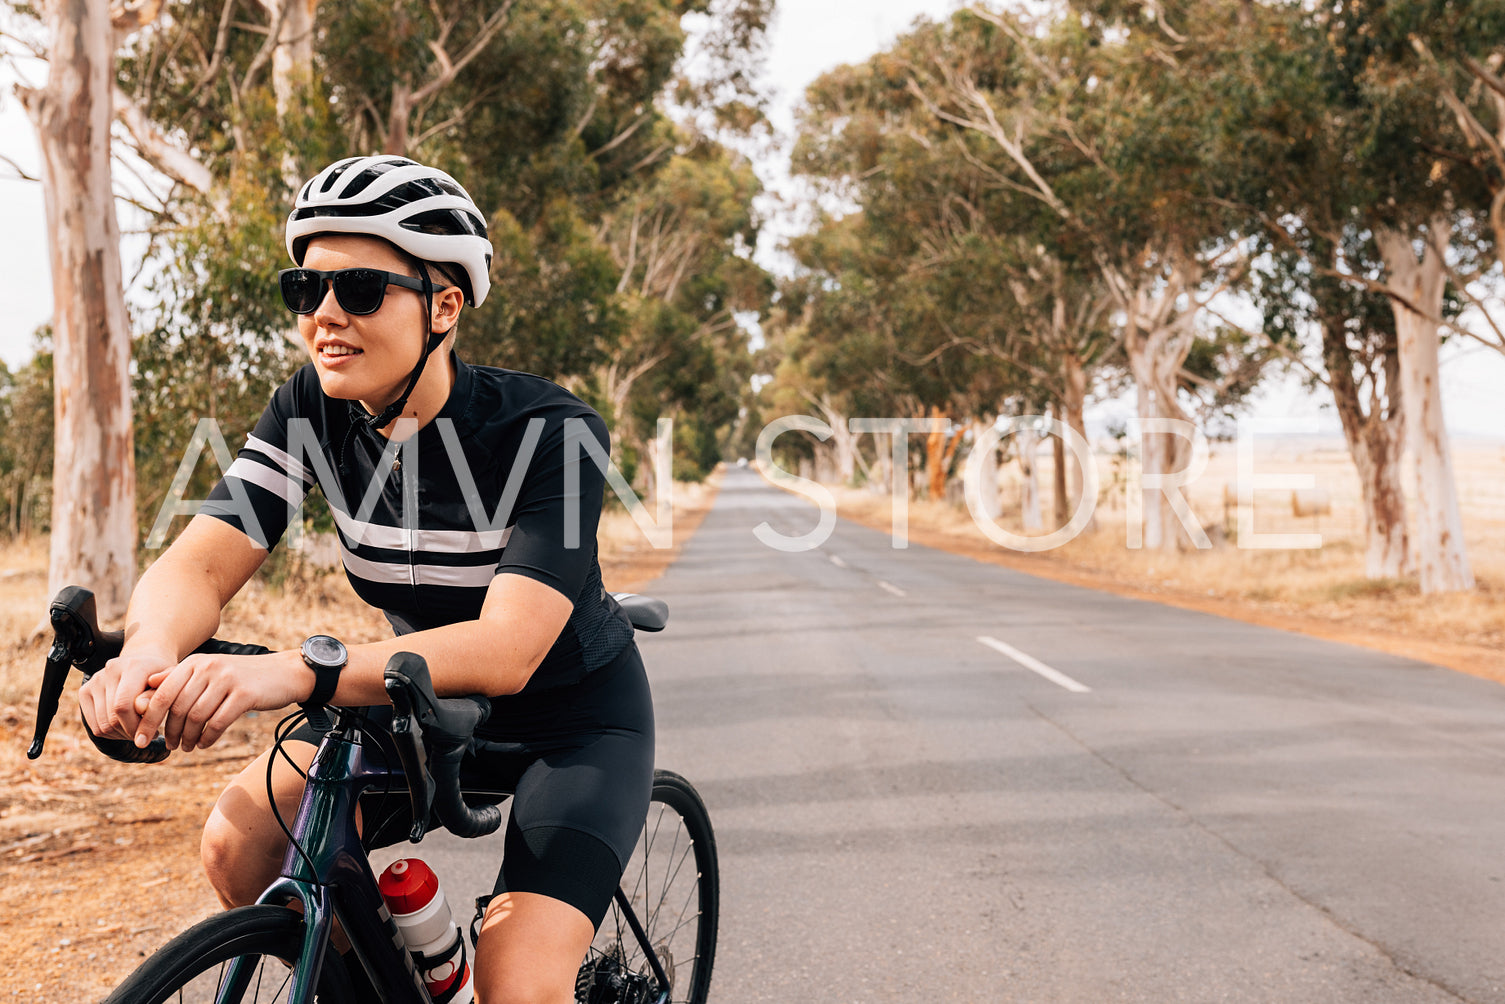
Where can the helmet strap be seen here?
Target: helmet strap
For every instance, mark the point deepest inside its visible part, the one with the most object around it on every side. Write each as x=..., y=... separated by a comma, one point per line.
x=432, y=340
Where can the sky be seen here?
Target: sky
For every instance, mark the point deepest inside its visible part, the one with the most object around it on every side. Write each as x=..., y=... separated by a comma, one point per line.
x=808, y=37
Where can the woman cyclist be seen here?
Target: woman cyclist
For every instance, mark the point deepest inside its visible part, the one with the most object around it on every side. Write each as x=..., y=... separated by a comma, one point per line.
x=466, y=500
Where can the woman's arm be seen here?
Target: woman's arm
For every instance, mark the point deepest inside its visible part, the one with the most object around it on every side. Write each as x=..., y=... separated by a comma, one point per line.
x=200, y=697
x=174, y=608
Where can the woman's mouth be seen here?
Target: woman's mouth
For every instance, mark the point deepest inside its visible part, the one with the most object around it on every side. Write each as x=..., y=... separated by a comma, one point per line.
x=332, y=353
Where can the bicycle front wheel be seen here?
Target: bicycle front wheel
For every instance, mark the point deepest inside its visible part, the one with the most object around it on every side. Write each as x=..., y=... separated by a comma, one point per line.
x=191, y=968
x=672, y=888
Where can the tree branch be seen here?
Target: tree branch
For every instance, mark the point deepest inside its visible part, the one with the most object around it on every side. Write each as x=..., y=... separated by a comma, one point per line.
x=221, y=46
x=21, y=174
x=273, y=39
x=448, y=69
x=156, y=149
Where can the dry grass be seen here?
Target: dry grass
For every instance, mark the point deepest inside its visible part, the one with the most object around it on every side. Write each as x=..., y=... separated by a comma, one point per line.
x=1322, y=590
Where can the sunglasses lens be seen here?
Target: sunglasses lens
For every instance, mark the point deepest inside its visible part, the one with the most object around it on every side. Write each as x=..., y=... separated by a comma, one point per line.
x=360, y=290
x=301, y=290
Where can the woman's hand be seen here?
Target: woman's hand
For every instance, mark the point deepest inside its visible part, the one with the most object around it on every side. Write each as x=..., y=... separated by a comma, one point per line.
x=198, y=699
x=108, y=699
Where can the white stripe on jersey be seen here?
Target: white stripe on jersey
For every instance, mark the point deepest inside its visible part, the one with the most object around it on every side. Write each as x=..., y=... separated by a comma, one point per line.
x=291, y=466
x=396, y=538
x=272, y=479
x=393, y=573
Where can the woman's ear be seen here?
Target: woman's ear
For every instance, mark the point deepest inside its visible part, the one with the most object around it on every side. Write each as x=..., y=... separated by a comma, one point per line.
x=447, y=304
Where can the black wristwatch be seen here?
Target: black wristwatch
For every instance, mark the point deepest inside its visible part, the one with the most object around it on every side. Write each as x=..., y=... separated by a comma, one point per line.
x=326, y=656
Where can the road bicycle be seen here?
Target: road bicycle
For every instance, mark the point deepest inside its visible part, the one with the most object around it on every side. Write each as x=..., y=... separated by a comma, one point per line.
x=656, y=945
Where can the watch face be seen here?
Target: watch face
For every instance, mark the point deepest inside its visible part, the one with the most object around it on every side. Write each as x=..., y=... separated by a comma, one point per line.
x=324, y=650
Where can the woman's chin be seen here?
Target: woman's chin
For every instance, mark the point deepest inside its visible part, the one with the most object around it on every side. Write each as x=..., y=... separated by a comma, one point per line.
x=338, y=386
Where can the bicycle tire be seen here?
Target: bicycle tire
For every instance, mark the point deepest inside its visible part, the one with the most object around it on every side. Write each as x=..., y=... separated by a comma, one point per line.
x=677, y=904
x=188, y=969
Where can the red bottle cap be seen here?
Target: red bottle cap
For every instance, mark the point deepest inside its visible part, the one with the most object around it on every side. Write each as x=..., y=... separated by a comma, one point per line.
x=408, y=885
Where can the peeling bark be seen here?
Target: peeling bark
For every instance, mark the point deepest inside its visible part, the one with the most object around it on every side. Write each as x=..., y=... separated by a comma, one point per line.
x=1375, y=443
x=940, y=449
x=1436, y=539
x=94, y=481
x=1158, y=336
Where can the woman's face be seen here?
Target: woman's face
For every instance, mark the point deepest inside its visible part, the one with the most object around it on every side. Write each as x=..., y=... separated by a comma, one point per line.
x=368, y=357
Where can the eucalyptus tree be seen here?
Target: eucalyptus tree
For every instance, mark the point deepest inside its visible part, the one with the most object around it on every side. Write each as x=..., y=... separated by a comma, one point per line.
x=679, y=244
x=1094, y=119
x=1378, y=192
x=93, y=491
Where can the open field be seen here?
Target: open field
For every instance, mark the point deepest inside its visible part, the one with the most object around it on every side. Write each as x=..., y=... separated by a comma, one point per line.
x=1316, y=589
x=99, y=861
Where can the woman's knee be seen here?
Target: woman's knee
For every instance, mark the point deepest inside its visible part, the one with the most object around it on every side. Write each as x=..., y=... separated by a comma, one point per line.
x=242, y=845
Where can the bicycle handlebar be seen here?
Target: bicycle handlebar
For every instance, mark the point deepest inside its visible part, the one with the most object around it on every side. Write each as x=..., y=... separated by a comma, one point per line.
x=444, y=726
x=78, y=642
x=420, y=719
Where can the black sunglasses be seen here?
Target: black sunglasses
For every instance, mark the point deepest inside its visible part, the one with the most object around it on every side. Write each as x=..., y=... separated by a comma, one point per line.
x=358, y=290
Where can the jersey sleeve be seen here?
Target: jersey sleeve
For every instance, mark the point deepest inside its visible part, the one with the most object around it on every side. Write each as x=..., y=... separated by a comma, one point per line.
x=553, y=538
x=266, y=484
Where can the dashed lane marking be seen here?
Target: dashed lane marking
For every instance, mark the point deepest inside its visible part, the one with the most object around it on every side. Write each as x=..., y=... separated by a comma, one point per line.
x=1034, y=665
x=890, y=587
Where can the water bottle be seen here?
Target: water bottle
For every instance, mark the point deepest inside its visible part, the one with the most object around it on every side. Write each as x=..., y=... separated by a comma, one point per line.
x=411, y=890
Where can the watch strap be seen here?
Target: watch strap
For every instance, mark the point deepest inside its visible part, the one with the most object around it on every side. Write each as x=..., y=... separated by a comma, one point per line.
x=326, y=679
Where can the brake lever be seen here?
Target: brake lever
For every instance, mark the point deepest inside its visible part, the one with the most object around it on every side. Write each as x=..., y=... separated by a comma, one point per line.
x=407, y=735
x=53, y=679
x=78, y=641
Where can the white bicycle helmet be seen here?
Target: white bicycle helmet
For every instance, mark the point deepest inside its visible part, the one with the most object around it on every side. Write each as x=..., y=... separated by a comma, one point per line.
x=420, y=209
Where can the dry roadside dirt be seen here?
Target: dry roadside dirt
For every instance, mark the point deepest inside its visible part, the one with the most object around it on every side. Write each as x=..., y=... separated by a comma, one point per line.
x=99, y=862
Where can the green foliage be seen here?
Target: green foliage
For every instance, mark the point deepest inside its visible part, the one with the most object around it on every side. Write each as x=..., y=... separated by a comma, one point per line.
x=26, y=441
x=553, y=113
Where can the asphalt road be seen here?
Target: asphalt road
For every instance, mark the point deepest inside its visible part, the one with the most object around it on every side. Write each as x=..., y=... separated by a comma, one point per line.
x=1212, y=812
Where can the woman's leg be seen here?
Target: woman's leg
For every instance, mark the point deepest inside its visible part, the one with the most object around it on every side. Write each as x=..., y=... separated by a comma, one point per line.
x=576, y=814
x=242, y=846
x=530, y=950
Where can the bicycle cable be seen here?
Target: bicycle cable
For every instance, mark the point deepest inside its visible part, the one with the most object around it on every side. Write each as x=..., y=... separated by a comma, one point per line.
x=279, y=736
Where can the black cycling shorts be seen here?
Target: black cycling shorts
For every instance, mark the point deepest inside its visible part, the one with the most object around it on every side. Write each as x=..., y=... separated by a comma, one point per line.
x=578, y=761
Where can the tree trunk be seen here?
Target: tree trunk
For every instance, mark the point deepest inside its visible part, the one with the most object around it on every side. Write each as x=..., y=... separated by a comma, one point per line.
x=1374, y=442
x=1060, y=498
x=939, y=451
x=1157, y=340
x=1436, y=539
x=94, y=478
x=843, y=441
x=844, y=448
x=396, y=140
x=1027, y=444
x=882, y=479
x=293, y=59
x=992, y=505
x=1073, y=414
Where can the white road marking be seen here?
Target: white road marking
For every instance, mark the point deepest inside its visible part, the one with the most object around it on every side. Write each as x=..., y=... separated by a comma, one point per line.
x=890, y=587
x=1034, y=665
x=836, y=560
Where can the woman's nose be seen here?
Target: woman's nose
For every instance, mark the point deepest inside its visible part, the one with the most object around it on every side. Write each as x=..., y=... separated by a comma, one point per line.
x=329, y=307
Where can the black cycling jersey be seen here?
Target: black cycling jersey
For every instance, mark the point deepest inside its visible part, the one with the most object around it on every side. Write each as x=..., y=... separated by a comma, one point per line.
x=508, y=477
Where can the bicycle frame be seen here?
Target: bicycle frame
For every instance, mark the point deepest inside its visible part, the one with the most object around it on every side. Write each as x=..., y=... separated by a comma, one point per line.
x=325, y=870
x=336, y=881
